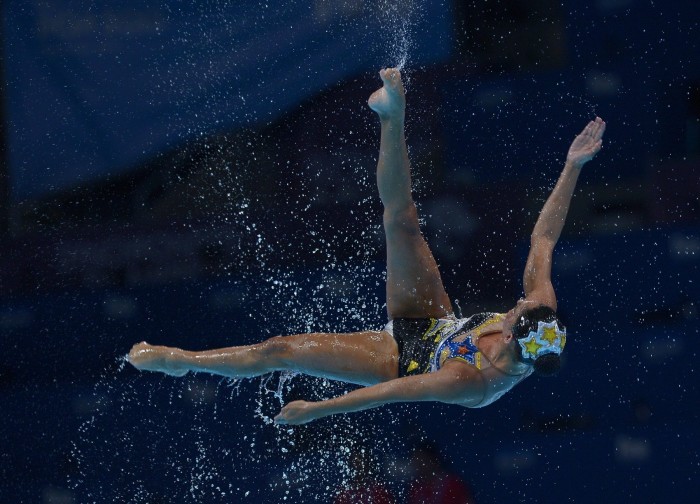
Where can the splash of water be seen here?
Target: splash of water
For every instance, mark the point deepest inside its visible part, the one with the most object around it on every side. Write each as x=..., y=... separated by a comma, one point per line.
x=397, y=18
x=149, y=436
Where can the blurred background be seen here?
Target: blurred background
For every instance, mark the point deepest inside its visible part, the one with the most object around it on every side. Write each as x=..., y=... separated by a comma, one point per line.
x=201, y=174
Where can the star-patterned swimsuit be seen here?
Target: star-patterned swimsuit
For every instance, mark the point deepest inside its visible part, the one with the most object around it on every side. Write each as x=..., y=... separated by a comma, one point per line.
x=424, y=344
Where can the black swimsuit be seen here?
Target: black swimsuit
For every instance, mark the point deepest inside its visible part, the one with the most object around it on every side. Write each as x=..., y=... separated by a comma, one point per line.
x=419, y=339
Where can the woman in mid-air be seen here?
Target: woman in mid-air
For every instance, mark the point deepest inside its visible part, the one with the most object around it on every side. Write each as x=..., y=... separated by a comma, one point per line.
x=424, y=353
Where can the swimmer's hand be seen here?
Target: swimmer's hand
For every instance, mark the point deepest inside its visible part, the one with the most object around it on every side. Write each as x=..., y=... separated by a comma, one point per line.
x=297, y=413
x=587, y=144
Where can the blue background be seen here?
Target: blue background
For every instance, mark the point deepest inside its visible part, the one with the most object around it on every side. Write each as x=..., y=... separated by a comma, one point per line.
x=201, y=175
x=105, y=86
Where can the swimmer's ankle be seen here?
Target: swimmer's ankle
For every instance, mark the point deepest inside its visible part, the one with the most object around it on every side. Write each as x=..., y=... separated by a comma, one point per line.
x=168, y=360
x=178, y=361
x=392, y=125
x=388, y=104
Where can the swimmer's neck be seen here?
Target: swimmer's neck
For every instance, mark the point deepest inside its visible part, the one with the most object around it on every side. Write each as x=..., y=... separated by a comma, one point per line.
x=500, y=354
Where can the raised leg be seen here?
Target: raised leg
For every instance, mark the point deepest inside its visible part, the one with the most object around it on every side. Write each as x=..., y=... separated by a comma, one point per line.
x=414, y=288
x=364, y=358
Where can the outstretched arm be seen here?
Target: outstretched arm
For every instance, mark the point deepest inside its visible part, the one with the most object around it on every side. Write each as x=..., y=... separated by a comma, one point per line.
x=453, y=383
x=538, y=270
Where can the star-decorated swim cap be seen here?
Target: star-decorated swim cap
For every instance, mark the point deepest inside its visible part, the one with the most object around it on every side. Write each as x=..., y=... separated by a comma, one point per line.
x=549, y=338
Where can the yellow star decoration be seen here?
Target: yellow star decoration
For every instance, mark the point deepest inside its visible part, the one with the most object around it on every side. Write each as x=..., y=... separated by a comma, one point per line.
x=532, y=347
x=563, y=341
x=550, y=335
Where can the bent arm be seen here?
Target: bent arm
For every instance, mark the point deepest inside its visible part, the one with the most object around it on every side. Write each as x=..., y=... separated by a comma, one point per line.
x=545, y=235
x=454, y=383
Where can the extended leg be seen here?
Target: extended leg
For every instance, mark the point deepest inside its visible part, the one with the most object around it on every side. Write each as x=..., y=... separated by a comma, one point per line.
x=414, y=288
x=364, y=358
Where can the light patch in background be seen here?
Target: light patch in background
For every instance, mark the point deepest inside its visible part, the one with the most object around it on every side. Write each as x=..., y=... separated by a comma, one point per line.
x=56, y=495
x=492, y=97
x=607, y=6
x=325, y=10
x=630, y=450
x=684, y=247
x=16, y=318
x=658, y=350
x=603, y=84
x=201, y=391
x=120, y=307
x=570, y=262
x=90, y=404
x=510, y=463
x=227, y=299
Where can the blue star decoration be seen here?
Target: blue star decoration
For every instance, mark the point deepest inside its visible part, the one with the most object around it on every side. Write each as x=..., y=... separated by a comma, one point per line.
x=547, y=339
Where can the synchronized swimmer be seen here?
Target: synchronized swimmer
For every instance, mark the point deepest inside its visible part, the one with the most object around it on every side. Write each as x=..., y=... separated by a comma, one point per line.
x=424, y=353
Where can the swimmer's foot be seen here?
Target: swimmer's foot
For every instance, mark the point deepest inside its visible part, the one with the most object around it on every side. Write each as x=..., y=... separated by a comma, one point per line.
x=145, y=357
x=389, y=101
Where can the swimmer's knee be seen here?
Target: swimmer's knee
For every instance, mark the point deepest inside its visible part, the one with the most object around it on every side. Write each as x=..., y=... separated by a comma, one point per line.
x=276, y=352
x=402, y=220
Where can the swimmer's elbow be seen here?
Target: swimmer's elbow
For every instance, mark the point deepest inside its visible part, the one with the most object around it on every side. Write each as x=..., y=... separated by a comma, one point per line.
x=545, y=240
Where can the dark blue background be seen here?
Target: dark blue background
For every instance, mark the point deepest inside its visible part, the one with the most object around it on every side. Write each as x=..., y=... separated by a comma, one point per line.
x=105, y=86
x=156, y=206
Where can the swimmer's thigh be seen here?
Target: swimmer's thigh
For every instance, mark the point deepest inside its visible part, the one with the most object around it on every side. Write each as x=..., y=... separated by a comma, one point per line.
x=414, y=287
x=365, y=357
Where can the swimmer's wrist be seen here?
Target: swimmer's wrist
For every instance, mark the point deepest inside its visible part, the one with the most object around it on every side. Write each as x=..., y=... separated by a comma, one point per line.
x=332, y=406
x=575, y=165
x=323, y=408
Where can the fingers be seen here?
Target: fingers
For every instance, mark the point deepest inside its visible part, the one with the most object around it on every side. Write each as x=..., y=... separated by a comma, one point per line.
x=294, y=413
x=281, y=418
x=594, y=129
x=598, y=129
x=588, y=130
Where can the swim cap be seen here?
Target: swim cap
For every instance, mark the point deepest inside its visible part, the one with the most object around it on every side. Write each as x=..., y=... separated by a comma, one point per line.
x=548, y=339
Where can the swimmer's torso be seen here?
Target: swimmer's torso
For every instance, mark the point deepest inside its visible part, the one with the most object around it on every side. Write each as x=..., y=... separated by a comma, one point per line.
x=429, y=346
